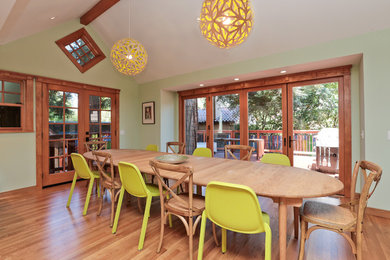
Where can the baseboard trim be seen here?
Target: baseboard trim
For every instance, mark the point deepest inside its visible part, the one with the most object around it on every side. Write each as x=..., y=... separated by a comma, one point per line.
x=378, y=212
x=26, y=189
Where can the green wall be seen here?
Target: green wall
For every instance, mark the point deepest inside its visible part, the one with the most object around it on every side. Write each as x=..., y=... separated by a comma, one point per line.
x=39, y=55
x=369, y=106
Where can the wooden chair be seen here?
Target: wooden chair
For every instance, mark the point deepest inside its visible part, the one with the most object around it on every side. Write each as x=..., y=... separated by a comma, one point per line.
x=83, y=171
x=249, y=150
x=175, y=147
x=234, y=207
x=108, y=180
x=95, y=145
x=184, y=205
x=346, y=217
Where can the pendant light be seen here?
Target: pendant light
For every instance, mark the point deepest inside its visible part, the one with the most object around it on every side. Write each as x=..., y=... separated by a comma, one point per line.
x=226, y=23
x=128, y=55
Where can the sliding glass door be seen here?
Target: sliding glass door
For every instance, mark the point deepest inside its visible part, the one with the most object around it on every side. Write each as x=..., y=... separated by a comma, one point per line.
x=226, y=122
x=195, y=123
x=265, y=121
x=314, y=140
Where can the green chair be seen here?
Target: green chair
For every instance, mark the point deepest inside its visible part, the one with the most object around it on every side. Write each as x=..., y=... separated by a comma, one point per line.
x=82, y=170
x=275, y=158
x=202, y=152
x=234, y=207
x=152, y=147
x=134, y=184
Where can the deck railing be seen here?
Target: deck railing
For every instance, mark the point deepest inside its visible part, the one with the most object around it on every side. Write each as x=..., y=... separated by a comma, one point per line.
x=305, y=140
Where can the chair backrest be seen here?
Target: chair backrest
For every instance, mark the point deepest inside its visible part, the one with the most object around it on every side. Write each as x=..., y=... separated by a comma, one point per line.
x=175, y=147
x=80, y=165
x=132, y=180
x=95, y=145
x=249, y=150
x=202, y=152
x=372, y=174
x=234, y=207
x=152, y=147
x=276, y=158
x=102, y=159
x=184, y=173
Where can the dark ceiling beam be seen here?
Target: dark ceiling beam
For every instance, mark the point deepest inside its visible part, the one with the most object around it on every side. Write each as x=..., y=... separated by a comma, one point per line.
x=97, y=10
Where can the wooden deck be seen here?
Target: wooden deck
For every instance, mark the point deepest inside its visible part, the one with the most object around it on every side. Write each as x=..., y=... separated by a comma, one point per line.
x=37, y=225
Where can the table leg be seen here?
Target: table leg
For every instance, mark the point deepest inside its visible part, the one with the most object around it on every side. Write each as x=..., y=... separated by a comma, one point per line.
x=282, y=229
x=258, y=150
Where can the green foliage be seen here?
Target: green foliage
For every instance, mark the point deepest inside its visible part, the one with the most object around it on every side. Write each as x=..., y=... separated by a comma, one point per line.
x=315, y=107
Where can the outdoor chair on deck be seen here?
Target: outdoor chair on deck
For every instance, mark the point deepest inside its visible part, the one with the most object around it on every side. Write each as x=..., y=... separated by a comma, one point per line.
x=229, y=151
x=346, y=217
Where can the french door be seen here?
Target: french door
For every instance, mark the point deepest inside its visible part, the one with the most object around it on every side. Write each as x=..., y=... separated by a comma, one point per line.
x=316, y=126
x=307, y=120
x=70, y=117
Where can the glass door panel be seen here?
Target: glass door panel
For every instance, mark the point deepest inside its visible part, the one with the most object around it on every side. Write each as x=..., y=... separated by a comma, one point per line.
x=265, y=122
x=100, y=119
x=195, y=123
x=316, y=127
x=63, y=136
x=226, y=121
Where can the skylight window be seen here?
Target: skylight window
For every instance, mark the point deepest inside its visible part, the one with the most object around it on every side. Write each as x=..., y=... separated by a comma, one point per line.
x=81, y=49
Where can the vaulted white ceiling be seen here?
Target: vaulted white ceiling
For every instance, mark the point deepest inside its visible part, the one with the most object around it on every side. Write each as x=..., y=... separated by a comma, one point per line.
x=170, y=32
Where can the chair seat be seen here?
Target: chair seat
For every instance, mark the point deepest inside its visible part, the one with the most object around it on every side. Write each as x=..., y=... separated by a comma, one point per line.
x=173, y=205
x=327, y=215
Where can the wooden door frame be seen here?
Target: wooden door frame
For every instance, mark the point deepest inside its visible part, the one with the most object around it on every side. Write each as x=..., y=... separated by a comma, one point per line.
x=40, y=97
x=242, y=88
x=344, y=128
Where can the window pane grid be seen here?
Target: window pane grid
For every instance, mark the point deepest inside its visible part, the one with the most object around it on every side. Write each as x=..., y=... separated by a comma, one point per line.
x=80, y=51
x=11, y=101
x=63, y=130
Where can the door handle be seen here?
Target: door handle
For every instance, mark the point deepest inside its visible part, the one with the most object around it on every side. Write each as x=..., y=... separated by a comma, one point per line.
x=290, y=140
x=284, y=141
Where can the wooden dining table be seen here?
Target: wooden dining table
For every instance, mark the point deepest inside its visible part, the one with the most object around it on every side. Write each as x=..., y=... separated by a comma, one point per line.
x=286, y=186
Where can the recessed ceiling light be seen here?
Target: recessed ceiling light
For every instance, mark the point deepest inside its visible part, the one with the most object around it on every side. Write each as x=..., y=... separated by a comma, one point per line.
x=283, y=71
x=201, y=85
x=198, y=19
x=236, y=79
x=52, y=18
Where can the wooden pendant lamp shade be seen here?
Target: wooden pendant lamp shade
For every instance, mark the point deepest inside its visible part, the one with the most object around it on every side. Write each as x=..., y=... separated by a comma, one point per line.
x=226, y=23
x=129, y=56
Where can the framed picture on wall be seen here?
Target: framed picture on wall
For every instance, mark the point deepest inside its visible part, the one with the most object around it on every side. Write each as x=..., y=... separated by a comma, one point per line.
x=148, y=113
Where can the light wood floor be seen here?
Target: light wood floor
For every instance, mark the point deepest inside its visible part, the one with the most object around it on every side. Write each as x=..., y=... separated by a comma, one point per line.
x=37, y=225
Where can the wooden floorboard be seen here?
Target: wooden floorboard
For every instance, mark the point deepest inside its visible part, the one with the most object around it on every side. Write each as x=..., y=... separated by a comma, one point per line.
x=35, y=224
